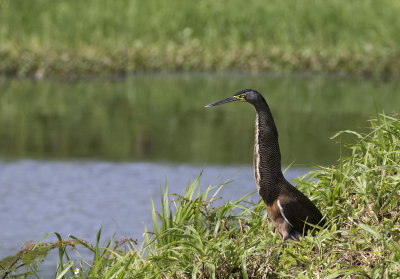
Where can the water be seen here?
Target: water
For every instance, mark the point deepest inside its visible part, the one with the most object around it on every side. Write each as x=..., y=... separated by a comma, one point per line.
x=81, y=155
x=162, y=117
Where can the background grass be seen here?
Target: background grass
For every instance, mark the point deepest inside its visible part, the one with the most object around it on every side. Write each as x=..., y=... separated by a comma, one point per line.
x=47, y=37
x=191, y=238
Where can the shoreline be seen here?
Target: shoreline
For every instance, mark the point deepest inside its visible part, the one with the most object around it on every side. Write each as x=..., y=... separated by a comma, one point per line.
x=70, y=65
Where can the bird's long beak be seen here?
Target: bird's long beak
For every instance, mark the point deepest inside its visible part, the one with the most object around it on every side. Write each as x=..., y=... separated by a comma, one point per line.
x=224, y=101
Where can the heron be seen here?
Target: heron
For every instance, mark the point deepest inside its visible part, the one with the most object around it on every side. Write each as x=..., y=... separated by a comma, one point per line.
x=290, y=211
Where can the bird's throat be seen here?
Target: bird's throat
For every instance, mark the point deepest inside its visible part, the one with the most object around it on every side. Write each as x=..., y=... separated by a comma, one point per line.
x=267, y=157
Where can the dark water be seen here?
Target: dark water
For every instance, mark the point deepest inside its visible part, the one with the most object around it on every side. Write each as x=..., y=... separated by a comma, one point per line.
x=162, y=117
x=99, y=150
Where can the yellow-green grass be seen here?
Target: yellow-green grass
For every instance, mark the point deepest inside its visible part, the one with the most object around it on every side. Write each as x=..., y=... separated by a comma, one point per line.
x=74, y=38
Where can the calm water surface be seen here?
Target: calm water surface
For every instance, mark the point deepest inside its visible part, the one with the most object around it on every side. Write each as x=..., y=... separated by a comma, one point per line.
x=162, y=117
x=73, y=152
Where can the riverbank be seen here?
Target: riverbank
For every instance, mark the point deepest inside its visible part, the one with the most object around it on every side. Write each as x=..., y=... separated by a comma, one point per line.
x=192, y=238
x=173, y=57
x=69, y=39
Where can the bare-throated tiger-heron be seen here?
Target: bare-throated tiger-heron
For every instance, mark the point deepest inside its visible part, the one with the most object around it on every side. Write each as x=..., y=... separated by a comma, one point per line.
x=290, y=211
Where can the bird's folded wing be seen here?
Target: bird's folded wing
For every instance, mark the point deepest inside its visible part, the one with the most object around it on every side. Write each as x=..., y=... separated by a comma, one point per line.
x=295, y=212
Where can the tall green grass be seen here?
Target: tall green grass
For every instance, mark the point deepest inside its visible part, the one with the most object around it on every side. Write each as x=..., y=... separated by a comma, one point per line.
x=192, y=238
x=44, y=37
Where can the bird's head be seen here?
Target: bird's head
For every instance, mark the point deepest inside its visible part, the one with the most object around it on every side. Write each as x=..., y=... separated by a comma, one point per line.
x=247, y=95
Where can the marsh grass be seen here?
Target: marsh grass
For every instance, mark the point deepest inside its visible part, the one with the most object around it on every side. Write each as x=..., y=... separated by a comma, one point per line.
x=69, y=39
x=193, y=238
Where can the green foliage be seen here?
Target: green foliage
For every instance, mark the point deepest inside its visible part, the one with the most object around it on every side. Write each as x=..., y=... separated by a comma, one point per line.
x=197, y=240
x=68, y=38
x=192, y=238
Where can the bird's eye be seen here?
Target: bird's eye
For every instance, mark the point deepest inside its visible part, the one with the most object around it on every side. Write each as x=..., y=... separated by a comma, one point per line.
x=241, y=97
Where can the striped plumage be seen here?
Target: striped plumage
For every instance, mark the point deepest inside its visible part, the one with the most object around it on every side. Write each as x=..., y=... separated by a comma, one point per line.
x=288, y=208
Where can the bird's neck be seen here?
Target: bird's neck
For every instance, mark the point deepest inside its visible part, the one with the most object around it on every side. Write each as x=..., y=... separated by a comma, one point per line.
x=267, y=156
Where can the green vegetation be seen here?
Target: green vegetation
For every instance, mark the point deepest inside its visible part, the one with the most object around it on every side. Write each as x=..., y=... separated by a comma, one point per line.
x=191, y=238
x=154, y=117
x=74, y=38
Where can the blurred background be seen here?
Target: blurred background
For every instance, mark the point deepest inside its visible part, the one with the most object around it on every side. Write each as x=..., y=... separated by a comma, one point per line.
x=102, y=102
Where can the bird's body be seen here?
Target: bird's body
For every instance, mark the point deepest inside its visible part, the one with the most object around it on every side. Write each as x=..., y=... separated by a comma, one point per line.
x=290, y=211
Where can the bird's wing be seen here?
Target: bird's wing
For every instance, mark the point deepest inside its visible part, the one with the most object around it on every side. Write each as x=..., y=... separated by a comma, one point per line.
x=298, y=210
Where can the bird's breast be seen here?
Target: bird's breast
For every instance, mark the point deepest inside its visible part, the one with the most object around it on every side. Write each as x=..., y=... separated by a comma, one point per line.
x=256, y=160
x=267, y=159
